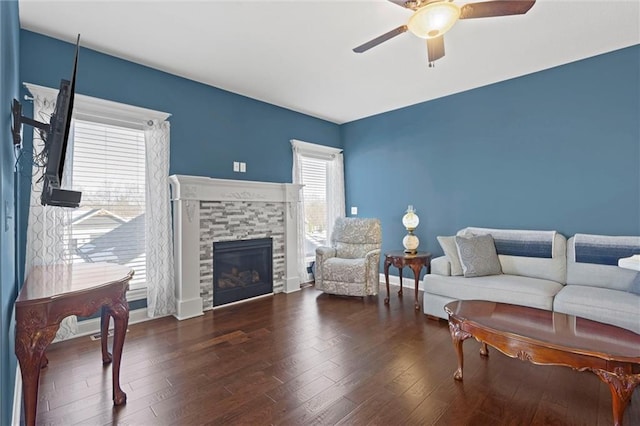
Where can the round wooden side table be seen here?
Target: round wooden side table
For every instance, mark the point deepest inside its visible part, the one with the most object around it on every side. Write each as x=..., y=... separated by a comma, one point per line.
x=400, y=259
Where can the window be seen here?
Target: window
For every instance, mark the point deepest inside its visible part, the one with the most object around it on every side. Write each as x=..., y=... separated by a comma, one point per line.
x=314, y=197
x=320, y=170
x=108, y=166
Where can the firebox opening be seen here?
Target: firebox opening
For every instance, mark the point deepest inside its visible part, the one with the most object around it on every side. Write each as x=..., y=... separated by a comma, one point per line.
x=242, y=269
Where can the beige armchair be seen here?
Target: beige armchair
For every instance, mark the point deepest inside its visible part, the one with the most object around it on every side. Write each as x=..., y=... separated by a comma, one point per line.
x=351, y=265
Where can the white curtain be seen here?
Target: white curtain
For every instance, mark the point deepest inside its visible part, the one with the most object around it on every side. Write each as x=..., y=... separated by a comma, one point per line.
x=297, y=179
x=161, y=298
x=48, y=226
x=335, y=191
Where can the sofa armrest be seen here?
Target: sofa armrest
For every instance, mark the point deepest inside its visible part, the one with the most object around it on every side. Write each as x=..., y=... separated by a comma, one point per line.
x=441, y=266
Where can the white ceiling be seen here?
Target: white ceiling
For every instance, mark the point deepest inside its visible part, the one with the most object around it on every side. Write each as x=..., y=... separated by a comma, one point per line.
x=297, y=54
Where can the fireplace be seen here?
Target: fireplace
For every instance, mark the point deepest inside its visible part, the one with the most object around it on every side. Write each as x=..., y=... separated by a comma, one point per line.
x=208, y=210
x=242, y=269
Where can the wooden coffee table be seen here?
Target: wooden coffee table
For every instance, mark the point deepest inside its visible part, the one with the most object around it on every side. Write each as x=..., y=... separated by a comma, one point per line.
x=550, y=338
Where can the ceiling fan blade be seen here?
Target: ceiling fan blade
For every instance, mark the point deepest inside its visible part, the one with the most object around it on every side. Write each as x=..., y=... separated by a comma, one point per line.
x=381, y=39
x=435, y=48
x=495, y=8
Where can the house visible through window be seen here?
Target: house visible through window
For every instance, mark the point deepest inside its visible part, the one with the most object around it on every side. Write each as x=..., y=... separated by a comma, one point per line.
x=108, y=166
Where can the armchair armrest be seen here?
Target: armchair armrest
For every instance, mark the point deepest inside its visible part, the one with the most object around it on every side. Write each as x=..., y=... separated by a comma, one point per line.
x=441, y=266
x=322, y=254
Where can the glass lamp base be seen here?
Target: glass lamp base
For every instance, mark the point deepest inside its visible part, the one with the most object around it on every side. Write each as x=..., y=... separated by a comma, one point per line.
x=410, y=243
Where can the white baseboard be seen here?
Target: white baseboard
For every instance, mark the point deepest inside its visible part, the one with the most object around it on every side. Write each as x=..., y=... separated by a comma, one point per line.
x=92, y=325
x=406, y=282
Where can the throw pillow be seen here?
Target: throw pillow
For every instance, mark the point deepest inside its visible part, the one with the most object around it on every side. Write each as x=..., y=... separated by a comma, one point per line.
x=478, y=256
x=450, y=249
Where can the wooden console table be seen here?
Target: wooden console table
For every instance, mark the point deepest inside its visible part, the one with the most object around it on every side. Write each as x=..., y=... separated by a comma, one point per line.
x=551, y=338
x=51, y=293
x=400, y=259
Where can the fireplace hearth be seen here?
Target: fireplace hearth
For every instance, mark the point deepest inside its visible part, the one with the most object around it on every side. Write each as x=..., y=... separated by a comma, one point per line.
x=242, y=269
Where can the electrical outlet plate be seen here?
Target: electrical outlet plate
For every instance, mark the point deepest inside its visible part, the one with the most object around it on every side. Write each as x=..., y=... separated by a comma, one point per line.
x=236, y=166
x=354, y=211
x=243, y=167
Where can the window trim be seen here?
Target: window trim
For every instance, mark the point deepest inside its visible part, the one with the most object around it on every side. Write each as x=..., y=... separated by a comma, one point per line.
x=321, y=152
x=104, y=111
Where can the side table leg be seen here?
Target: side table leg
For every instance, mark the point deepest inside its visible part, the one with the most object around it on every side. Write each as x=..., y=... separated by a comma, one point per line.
x=621, y=386
x=400, y=276
x=458, y=336
x=31, y=344
x=120, y=313
x=416, y=274
x=387, y=262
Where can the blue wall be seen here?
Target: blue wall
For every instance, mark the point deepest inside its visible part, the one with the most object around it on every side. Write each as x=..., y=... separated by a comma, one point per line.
x=210, y=128
x=9, y=51
x=558, y=149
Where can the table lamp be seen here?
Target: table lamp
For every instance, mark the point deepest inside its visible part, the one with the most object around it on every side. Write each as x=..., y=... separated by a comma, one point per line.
x=410, y=221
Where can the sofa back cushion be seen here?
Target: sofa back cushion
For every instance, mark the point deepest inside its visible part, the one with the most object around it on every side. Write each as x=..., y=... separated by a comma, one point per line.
x=547, y=252
x=585, y=272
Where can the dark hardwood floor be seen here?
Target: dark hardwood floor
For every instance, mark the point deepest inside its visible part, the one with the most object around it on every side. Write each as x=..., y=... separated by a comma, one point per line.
x=310, y=358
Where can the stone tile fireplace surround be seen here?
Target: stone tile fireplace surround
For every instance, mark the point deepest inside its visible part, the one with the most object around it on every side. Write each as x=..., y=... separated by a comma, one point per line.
x=208, y=210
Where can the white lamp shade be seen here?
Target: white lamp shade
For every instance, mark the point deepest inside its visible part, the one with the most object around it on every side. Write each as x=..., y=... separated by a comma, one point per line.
x=410, y=220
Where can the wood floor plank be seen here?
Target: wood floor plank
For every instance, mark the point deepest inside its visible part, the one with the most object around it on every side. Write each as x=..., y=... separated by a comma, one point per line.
x=312, y=358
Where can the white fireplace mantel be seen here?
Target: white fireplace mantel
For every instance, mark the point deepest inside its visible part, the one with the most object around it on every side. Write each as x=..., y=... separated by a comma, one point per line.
x=186, y=194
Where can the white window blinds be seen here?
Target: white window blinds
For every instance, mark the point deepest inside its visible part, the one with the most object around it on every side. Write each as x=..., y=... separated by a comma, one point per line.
x=108, y=166
x=314, y=193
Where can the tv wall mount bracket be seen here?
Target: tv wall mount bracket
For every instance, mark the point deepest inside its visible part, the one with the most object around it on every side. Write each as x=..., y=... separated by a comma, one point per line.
x=19, y=120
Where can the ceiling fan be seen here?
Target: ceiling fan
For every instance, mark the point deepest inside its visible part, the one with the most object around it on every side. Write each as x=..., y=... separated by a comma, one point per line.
x=432, y=18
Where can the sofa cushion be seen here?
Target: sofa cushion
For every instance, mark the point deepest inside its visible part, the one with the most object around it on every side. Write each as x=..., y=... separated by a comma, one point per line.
x=450, y=249
x=554, y=268
x=597, y=275
x=525, y=291
x=478, y=256
x=606, y=305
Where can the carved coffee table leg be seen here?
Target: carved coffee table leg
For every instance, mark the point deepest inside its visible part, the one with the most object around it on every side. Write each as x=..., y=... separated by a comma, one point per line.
x=119, y=310
x=484, y=351
x=458, y=336
x=31, y=343
x=104, y=334
x=621, y=386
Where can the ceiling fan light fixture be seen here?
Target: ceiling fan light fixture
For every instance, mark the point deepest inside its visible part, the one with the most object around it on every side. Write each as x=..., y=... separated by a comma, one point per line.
x=434, y=19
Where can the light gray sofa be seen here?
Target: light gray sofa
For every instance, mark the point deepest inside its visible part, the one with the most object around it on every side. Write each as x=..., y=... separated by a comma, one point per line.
x=586, y=288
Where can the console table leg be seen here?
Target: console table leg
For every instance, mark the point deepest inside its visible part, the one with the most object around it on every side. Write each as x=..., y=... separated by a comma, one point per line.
x=400, y=276
x=31, y=344
x=120, y=313
x=621, y=386
x=104, y=334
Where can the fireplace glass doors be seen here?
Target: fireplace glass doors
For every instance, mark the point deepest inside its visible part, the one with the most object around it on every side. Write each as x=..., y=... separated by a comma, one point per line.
x=242, y=269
